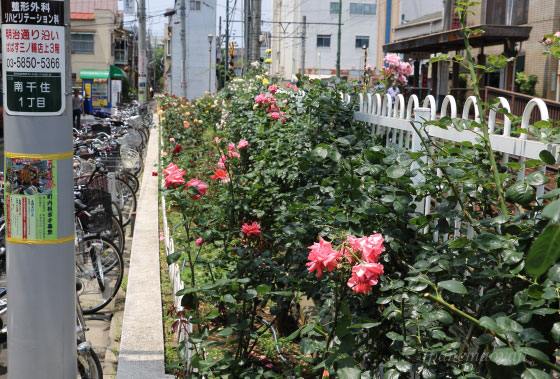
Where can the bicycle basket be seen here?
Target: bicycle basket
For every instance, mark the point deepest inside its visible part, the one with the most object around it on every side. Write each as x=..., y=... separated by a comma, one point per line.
x=99, y=207
x=112, y=164
x=83, y=167
x=130, y=158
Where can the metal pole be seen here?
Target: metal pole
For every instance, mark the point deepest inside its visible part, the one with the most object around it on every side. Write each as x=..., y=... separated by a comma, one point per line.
x=303, y=45
x=247, y=33
x=40, y=266
x=209, y=65
x=339, y=37
x=142, y=59
x=365, y=65
x=226, y=66
x=183, y=49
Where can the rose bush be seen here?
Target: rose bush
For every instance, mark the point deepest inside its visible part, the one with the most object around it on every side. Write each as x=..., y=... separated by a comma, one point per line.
x=287, y=198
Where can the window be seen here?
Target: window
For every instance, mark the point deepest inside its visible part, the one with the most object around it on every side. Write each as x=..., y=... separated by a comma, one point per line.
x=82, y=43
x=507, y=12
x=195, y=5
x=363, y=9
x=362, y=41
x=335, y=7
x=169, y=47
x=323, y=40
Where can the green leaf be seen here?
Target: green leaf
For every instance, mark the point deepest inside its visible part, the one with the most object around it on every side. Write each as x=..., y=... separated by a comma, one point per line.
x=555, y=332
x=533, y=373
x=229, y=299
x=547, y=157
x=225, y=332
x=507, y=324
x=554, y=273
x=439, y=315
x=453, y=286
x=459, y=243
x=521, y=193
x=544, y=251
x=488, y=241
x=535, y=291
x=537, y=178
x=347, y=368
x=172, y=258
x=550, y=194
x=489, y=323
x=263, y=289
x=404, y=366
x=552, y=211
x=392, y=373
x=396, y=172
x=507, y=357
x=532, y=352
x=320, y=152
x=334, y=155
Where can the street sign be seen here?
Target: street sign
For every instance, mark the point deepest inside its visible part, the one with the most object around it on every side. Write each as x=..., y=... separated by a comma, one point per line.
x=33, y=57
x=129, y=6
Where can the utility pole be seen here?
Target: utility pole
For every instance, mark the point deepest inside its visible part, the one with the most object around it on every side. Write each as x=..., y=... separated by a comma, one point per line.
x=304, y=30
x=226, y=66
x=183, y=49
x=339, y=37
x=247, y=32
x=219, y=45
x=255, y=30
x=142, y=59
x=39, y=213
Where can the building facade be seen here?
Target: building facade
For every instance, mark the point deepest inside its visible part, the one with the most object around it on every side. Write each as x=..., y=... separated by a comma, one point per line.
x=199, y=74
x=316, y=49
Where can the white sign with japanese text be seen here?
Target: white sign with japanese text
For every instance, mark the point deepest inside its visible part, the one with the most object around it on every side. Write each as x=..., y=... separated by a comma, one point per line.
x=33, y=57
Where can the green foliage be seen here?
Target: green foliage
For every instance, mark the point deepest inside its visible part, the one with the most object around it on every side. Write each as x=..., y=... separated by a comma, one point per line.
x=526, y=84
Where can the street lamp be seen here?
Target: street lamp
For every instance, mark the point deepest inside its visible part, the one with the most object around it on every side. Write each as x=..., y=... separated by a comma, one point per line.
x=210, y=39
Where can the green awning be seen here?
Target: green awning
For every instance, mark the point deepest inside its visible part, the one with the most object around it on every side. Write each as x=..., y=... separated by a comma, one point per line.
x=117, y=72
x=94, y=74
x=114, y=72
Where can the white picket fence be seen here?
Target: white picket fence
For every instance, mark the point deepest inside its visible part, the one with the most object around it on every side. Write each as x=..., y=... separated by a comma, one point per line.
x=394, y=122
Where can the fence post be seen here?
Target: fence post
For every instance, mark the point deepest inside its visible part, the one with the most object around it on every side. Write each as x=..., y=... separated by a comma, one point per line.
x=421, y=115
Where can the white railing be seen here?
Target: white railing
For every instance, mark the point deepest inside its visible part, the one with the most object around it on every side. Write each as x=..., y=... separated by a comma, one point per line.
x=394, y=122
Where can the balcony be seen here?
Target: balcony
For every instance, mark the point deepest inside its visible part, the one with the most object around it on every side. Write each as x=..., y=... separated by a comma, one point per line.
x=121, y=56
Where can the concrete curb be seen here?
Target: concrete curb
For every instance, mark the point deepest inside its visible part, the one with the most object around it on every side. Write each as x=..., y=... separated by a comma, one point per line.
x=141, y=352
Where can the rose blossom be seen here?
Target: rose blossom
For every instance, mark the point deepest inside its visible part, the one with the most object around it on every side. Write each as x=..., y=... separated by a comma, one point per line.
x=557, y=34
x=186, y=124
x=275, y=115
x=222, y=161
x=231, y=146
x=198, y=184
x=175, y=178
x=273, y=88
x=364, y=276
x=289, y=85
x=371, y=247
x=234, y=154
x=322, y=256
x=198, y=241
x=177, y=149
x=242, y=144
x=221, y=175
x=393, y=60
x=171, y=139
x=251, y=230
x=217, y=139
x=169, y=169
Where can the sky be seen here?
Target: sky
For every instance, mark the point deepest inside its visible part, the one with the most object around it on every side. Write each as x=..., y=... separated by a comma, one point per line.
x=156, y=20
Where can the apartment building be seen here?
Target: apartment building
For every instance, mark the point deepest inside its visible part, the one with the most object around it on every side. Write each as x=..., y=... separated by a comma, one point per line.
x=315, y=47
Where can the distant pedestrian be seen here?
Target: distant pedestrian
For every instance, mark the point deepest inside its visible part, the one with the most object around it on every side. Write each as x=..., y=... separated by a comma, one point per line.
x=393, y=91
x=77, y=108
x=151, y=92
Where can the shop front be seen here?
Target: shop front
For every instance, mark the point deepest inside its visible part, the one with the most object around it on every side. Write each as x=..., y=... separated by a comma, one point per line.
x=101, y=88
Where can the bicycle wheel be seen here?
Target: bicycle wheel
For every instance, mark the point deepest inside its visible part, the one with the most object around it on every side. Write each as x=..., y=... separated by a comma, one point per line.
x=89, y=366
x=99, y=269
x=115, y=234
x=131, y=180
x=126, y=200
x=117, y=212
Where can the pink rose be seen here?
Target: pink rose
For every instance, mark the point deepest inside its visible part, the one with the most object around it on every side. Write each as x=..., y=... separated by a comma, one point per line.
x=275, y=115
x=557, y=34
x=242, y=144
x=272, y=88
x=217, y=139
x=198, y=241
x=289, y=85
x=198, y=184
x=171, y=139
x=364, y=276
x=371, y=247
x=234, y=154
x=393, y=60
x=322, y=256
x=174, y=179
x=231, y=146
x=222, y=161
x=251, y=230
